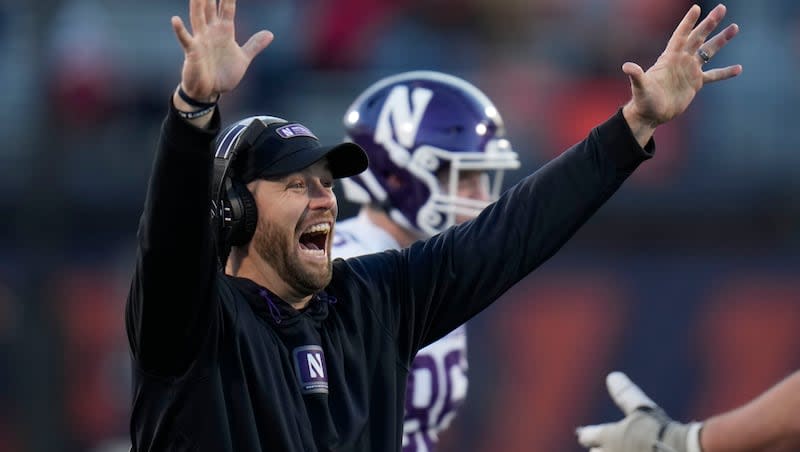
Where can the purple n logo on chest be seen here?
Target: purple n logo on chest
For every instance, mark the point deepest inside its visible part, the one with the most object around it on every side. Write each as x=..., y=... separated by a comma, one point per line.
x=312, y=374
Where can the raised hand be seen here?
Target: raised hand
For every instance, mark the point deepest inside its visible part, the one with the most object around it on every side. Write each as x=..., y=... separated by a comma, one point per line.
x=213, y=62
x=667, y=88
x=645, y=428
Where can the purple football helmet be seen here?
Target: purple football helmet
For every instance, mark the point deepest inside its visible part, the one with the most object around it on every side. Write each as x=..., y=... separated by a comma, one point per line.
x=415, y=125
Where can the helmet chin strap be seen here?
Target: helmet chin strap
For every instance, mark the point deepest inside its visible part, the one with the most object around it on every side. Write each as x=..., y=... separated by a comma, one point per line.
x=384, y=206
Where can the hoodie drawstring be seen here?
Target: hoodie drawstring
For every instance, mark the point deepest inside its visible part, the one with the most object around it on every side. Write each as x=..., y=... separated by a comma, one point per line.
x=276, y=313
x=330, y=299
x=273, y=310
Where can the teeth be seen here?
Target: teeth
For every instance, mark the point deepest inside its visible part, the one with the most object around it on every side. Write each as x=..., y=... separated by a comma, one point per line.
x=322, y=227
x=310, y=247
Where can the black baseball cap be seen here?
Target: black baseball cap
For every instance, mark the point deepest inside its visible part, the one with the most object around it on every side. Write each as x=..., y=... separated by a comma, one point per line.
x=273, y=149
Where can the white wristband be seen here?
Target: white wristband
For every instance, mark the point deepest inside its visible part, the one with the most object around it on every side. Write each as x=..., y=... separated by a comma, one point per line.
x=693, y=437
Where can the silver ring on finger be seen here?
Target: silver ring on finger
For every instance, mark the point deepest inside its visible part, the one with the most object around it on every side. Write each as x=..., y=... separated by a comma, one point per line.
x=704, y=56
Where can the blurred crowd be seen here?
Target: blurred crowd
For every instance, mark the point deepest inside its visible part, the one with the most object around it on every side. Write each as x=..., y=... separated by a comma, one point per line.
x=87, y=85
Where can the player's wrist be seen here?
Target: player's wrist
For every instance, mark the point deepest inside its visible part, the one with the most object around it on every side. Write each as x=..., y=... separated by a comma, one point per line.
x=693, y=443
x=682, y=437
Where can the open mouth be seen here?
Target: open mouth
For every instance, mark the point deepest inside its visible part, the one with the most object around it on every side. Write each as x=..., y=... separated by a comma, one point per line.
x=314, y=239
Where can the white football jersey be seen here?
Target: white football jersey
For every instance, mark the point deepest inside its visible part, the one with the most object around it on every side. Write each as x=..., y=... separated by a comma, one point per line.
x=437, y=383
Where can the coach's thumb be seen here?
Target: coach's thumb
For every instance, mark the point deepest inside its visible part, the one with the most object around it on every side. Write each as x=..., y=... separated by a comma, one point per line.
x=257, y=43
x=635, y=74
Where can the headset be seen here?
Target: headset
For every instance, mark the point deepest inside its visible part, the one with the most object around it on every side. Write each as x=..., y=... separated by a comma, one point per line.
x=234, y=215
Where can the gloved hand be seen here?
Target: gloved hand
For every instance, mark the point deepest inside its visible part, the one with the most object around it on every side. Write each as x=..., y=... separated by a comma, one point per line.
x=646, y=427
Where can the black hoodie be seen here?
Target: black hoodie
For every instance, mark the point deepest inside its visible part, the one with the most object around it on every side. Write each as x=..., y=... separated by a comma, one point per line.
x=222, y=364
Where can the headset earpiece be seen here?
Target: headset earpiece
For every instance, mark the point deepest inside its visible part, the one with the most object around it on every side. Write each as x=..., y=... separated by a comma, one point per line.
x=240, y=221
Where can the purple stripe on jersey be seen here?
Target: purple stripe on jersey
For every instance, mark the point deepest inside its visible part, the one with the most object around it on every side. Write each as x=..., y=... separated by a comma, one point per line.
x=453, y=359
x=432, y=398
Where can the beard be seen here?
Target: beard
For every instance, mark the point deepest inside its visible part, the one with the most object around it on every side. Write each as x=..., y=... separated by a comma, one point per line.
x=280, y=250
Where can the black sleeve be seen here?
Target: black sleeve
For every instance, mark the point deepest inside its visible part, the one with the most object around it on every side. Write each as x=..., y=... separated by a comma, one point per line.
x=170, y=301
x=435, y=285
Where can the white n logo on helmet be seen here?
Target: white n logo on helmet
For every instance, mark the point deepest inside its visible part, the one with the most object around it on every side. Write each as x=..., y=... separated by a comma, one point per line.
x=400, y=119
x=398, y=124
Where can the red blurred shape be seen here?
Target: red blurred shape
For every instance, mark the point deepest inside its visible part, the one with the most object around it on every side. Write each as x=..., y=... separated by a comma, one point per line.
x=747, y=340
x=558, y=335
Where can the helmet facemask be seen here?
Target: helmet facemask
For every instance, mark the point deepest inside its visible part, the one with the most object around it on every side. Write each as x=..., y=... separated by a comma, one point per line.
x=450, y=170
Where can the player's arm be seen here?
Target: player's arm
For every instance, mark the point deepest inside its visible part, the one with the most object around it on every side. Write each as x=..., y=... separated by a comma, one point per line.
x=169, y=304
x=769, y=422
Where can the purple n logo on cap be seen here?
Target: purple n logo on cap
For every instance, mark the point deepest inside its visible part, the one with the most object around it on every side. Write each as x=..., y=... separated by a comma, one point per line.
x=294, y=130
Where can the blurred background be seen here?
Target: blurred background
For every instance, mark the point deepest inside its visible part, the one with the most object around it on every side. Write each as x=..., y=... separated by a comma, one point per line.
x=687, y=279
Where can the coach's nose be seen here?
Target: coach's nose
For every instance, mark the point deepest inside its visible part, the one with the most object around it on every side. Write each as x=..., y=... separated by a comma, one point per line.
x=321, y=196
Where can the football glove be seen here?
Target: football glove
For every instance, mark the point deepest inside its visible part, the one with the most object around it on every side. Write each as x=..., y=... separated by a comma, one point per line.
x=646, y=427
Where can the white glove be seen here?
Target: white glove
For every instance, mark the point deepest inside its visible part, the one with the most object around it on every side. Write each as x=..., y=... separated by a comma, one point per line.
x=646, y=427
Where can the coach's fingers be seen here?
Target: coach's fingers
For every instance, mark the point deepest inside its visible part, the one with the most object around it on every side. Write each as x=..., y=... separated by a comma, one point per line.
x=184, y=38
x=257, y=43
x=715, y=75
x=681, y=33
x=227, y=9
x=626, y=395
x=720, y=40
x=197, y=15
x=699, y=34
x=211, y=10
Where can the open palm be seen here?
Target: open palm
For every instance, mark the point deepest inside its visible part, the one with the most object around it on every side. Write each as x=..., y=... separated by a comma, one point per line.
x=213, y=62
x=668, y=87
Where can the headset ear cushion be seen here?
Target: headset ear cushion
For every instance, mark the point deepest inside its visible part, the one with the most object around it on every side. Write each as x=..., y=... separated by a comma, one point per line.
x=244, y=214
